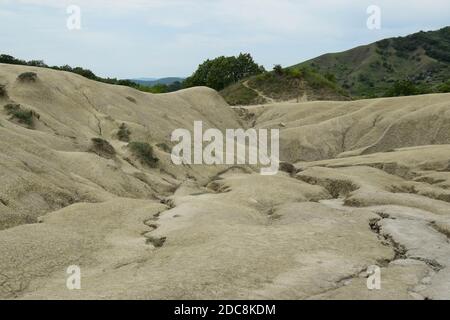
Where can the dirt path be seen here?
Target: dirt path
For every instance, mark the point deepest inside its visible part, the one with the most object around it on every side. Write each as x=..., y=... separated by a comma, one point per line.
x=268, y=99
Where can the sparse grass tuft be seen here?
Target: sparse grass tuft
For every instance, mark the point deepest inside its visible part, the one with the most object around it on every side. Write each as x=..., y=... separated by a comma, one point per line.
x=27, y=77
x=144, y=152
x=21, y=115
x=131, y=99
x=102, y=148
x=124, y=133
x=156, y=242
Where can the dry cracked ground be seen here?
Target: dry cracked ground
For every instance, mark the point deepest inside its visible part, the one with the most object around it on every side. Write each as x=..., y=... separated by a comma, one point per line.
x=363, y=183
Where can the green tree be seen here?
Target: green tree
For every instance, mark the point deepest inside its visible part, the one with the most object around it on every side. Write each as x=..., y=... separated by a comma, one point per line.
x=403, y=88
x=223, y=71
x=278, y=70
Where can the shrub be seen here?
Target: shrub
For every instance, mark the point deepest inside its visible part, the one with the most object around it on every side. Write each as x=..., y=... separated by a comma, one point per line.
x=403, y=88
x=445, y=87
x=102, y=148
x=278, y=70
x=20, y=114
x=383, y=44
x=295, y=73
x=144, y=152
x=223, y=71
x=124, y=133
x=131, y=99
x=3, y=92
x=27, y=77
x=330, y=77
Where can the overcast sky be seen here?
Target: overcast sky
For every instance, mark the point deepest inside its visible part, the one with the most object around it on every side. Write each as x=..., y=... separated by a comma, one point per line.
x=156, y=38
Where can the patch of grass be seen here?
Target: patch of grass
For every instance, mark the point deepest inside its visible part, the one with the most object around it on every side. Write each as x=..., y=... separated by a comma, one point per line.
x=124, y=133
x=27, y=77
x=156, y=242
x=21, y=115
x=144, y=152
x=239, y=95
x=102, y=148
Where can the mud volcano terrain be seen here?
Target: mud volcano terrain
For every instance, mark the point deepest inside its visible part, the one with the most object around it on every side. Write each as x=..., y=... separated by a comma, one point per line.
x=86, y=179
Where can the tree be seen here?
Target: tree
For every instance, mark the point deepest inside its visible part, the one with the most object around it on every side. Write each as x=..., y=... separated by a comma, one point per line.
x=403, y=88
x=223, y=71
x=278, y=70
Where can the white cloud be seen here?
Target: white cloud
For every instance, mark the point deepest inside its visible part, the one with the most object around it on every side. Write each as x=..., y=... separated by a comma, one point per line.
x=186, y=31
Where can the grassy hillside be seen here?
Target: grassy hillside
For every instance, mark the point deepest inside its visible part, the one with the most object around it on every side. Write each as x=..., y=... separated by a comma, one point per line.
x=421, y=59
x=300, y=84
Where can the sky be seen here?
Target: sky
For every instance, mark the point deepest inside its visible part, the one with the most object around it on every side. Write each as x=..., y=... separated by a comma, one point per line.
x=161, y=38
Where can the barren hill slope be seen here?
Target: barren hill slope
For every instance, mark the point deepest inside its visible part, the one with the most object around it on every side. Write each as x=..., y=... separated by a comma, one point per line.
x=369, y=185
x=324, y=130
x=51, y=165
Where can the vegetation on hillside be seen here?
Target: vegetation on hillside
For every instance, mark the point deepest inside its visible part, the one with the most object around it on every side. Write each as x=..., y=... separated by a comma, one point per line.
x=21, y=115
x=124, y=133
x=144, y=152
x=238, y=94
x=85, y=73
x=27, y=77
x=224, y=71
x=415, y=64
x=3, y=91
x=284, y=84
x=102, y=148
x=391, y=66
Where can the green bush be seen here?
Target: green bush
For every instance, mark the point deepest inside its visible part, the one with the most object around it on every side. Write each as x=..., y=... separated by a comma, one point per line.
x=445, y=87
x=224, y=71
x=330, y=77
x=144, y=152
x=278, y=70
x=295, y=73
x=406, y=88
x=21, y=115
x=102, y=148
x=124, y=133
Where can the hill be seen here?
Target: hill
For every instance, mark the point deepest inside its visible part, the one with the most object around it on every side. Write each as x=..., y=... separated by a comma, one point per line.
x=154, y=82
x=301, y=84
x=372, y=70
x=87, y=180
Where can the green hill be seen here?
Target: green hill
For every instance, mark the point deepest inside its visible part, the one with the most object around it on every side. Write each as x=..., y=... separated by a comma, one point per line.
x=421, y=60
x=299, y=84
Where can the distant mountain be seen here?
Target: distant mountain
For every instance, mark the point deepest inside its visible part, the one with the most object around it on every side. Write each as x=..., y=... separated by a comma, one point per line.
x=145, y=79
x=421, y=59
x=150, y=82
